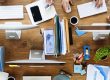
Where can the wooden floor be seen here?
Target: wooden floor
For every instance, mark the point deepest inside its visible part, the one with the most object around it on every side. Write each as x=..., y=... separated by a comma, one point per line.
x=32, y=39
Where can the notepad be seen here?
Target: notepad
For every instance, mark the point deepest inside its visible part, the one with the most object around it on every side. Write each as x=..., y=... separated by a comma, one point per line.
x=89, y=9
x=77, y=68
x=11, y=12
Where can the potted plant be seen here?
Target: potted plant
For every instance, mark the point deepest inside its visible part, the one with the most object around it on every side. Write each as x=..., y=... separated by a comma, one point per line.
x=102, y=53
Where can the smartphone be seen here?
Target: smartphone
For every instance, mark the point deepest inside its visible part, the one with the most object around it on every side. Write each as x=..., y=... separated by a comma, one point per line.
x=36, y=13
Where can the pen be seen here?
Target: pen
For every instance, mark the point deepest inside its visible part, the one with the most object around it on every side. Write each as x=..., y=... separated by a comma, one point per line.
x=47, y=6
x=14, y=65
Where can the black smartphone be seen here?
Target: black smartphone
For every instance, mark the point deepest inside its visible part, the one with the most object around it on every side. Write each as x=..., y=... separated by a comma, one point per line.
x=36, y=13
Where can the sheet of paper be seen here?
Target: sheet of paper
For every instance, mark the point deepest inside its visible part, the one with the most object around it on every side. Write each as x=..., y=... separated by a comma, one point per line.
x=49, y=41
x=89, y=9
x=4, y=76
x=108, y=78
x=93, y=73
x=77, y=68
x=36, y=77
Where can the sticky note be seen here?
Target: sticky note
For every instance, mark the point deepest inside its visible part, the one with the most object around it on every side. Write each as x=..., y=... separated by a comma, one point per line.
x=83, y=72
x=77, y=68
x=79, y=32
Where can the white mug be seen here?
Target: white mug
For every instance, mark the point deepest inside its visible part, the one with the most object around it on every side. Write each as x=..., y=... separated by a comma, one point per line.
x=74, y=20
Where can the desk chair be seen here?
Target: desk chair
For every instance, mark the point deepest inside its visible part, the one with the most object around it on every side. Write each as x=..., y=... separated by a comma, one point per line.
x=61, y=76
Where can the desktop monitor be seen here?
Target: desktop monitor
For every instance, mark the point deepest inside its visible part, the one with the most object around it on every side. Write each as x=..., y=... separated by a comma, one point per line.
x=13, y=29
x=99, y=30
x=13, y=34
x=16, y=26
x=37, y=56
x=98, y=34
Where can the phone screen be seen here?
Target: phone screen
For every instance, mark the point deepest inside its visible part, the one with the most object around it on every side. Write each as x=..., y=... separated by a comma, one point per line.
x=36, y=13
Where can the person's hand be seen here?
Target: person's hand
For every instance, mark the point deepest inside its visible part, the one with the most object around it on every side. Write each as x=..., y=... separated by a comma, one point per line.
x=66, y=5
x=98, y=3
x=108, y=19
x=49, y=2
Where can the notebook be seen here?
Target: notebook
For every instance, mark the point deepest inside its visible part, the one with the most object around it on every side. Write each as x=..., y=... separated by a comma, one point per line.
x=11, y=12
x=89, y=9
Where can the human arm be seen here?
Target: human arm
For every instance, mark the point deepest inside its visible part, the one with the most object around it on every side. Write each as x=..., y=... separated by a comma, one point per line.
x=98, y=3
x=66, y=5
x=49, y=2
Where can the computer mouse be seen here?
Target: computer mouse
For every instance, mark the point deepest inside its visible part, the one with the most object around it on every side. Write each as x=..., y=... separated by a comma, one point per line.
x=68, y=9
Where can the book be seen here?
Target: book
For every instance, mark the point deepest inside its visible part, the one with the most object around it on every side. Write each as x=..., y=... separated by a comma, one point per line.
x=67, y=33
x=57, y=35
x=61, y=36
x=1, y=58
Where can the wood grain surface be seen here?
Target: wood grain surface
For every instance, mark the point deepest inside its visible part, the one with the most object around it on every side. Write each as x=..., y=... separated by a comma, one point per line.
x=32, y=39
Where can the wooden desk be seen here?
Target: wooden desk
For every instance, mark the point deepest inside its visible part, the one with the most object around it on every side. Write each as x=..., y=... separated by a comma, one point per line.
x=32, y=39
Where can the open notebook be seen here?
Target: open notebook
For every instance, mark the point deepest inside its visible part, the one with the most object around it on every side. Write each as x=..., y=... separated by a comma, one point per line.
x=89, y=9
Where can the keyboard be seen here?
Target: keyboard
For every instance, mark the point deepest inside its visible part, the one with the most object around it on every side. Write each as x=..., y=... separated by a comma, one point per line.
x=11, y=12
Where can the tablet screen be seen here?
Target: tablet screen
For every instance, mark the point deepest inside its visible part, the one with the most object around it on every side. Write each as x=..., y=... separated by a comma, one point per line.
x=36, y=13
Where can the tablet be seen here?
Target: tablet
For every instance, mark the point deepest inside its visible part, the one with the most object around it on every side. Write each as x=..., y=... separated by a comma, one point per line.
x=36, y=13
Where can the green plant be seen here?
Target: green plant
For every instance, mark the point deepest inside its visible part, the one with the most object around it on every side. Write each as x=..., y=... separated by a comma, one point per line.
x=102, y=53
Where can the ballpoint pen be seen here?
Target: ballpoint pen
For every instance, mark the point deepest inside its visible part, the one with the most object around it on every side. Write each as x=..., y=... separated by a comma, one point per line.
x=14, y=66
x=48, y=6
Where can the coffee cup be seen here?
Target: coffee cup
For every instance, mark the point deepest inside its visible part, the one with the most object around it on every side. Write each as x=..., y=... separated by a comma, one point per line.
x=74, y=20
x=11, y=78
